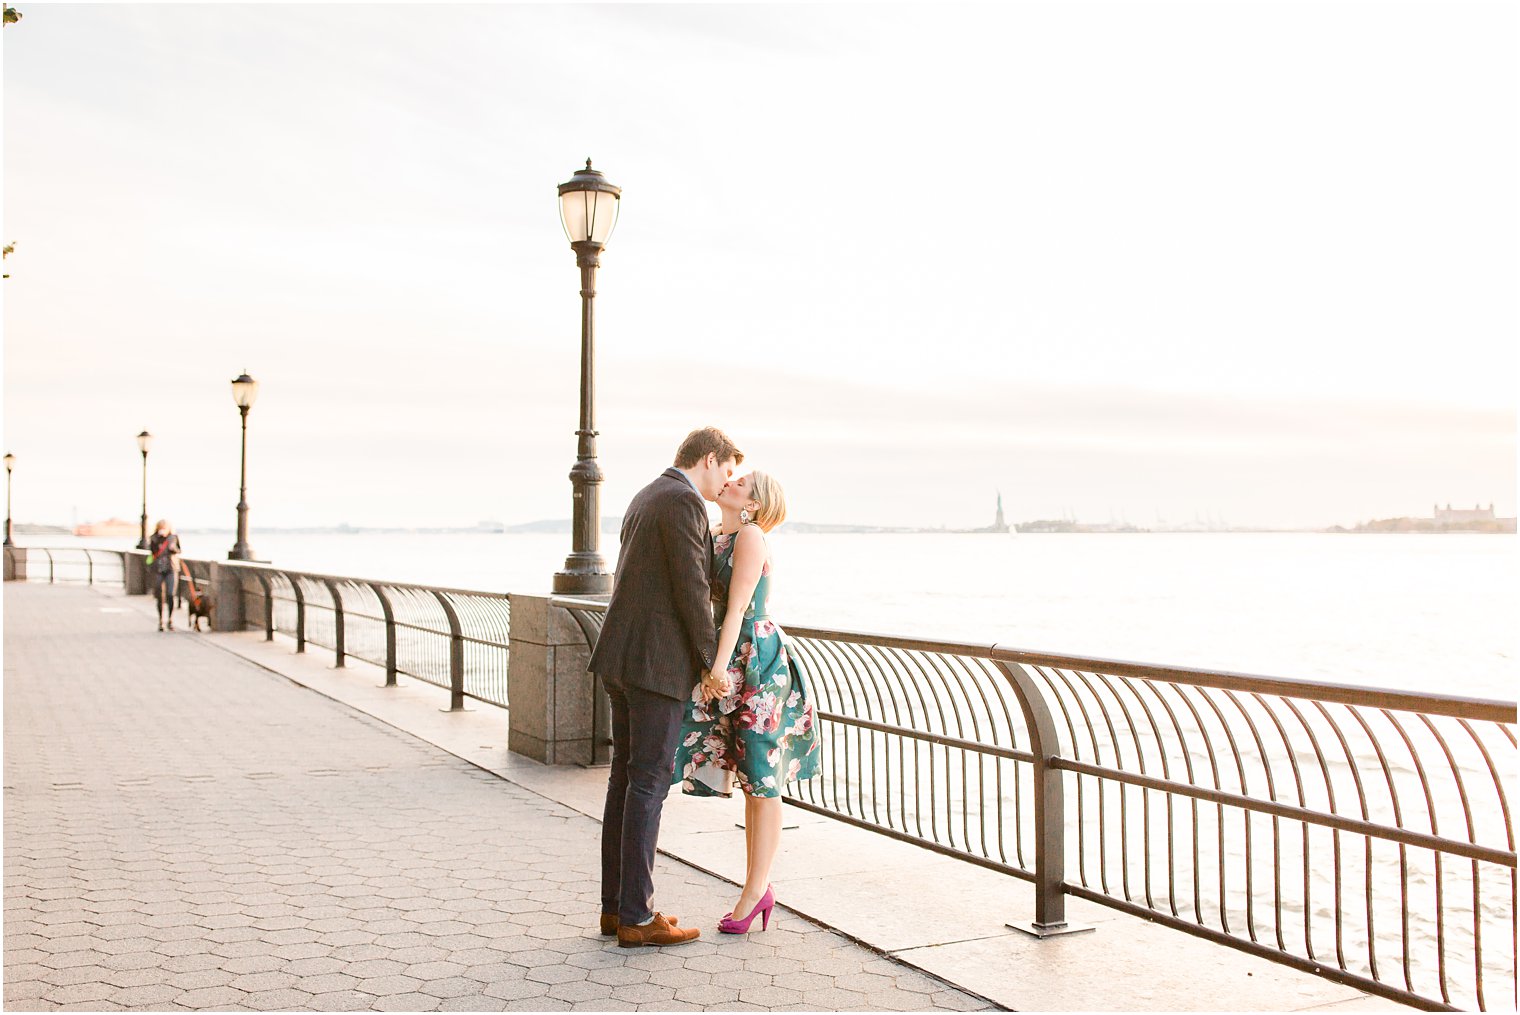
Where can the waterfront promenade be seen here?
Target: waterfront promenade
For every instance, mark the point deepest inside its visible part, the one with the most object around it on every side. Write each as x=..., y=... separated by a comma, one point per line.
x=188, y=825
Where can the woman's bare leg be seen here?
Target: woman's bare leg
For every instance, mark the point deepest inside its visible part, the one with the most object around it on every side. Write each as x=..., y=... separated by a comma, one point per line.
x=749, y=840
x=762, y=833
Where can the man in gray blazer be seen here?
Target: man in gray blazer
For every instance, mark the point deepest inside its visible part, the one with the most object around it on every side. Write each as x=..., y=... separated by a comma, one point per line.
x=657, y=640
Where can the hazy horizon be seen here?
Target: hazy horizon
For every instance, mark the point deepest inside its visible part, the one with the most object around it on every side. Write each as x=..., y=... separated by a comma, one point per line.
x=1251, y=261
x=1200, y=516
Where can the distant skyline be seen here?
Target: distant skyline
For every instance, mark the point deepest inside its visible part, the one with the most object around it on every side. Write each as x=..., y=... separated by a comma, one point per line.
x=1254, y=261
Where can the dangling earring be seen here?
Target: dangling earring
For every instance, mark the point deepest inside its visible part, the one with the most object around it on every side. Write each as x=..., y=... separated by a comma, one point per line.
x=744, y=516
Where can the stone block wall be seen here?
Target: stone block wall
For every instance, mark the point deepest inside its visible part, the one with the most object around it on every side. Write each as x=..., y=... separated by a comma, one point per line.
x=550, y=689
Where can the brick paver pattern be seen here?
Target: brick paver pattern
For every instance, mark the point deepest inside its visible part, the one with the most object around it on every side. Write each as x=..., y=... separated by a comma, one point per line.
x=185, y=829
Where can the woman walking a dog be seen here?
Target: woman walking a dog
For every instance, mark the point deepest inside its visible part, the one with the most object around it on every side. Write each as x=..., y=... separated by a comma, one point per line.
x=163, y=568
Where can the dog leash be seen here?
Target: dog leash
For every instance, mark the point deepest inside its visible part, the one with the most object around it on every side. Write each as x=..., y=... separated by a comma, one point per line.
x=195, y=595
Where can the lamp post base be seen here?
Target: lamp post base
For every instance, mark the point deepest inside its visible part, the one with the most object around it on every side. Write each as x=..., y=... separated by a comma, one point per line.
x=585, y=574
x=242, y=551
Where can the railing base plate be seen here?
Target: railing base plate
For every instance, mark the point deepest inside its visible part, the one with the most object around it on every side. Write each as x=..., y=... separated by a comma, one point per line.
x=1049, y=929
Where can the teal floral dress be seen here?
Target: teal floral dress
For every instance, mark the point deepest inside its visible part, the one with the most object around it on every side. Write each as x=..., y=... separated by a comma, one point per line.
x=762, y=735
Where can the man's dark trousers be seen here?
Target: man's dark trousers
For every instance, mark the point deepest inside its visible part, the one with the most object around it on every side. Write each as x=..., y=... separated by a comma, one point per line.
x=642, y=764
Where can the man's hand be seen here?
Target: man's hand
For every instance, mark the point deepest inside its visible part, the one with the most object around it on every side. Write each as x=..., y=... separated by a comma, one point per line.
x=716, y=684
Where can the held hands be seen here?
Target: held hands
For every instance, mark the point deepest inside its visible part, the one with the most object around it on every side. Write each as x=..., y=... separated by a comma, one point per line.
x=716, y=684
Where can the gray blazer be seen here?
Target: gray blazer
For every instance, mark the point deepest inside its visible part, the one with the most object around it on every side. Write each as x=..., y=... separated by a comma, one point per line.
x=659, y=633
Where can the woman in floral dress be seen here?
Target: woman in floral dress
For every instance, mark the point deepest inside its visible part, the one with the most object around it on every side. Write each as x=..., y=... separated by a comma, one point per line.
x=750, y=720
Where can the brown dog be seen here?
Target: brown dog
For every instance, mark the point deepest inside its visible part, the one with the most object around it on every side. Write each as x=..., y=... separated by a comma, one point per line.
x=198, y=604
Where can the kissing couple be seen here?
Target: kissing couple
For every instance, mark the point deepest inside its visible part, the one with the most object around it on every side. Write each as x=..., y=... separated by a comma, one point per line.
x=703, y=689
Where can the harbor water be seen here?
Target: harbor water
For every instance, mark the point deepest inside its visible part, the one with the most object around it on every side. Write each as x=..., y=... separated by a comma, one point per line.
x=1417, y=612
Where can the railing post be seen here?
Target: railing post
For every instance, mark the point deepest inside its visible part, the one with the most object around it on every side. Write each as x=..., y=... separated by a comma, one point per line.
x=50, y=564
x=390, y=634
x=456, y=655
x=1049, y=811
x=337, y=599
x=295, y=585
x=268, y=605
x=89, y=563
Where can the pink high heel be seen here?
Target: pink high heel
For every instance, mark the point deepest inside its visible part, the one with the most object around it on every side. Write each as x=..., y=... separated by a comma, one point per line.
x=728, y=925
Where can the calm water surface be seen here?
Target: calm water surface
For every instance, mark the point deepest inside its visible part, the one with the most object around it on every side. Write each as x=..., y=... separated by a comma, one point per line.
x=1420, y=612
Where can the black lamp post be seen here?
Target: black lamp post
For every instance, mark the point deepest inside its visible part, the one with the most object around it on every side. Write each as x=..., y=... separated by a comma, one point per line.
x=588, y=207
x=10, y=463
x=144, y=442
x=244, y=390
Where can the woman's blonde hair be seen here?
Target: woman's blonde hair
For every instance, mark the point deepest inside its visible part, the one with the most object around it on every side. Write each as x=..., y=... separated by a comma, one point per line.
x=764, y=489
x=163, y=525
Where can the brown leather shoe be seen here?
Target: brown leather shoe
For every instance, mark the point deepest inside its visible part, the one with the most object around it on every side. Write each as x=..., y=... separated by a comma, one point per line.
x=661, y=931
x=610, y=924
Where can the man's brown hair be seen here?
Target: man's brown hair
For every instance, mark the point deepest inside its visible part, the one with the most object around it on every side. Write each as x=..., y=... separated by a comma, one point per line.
x=707, y=441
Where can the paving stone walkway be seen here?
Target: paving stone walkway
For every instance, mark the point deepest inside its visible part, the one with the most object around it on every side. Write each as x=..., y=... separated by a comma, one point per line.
x=186, y=830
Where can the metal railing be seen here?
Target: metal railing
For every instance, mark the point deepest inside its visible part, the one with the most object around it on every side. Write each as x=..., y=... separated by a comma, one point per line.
x=1357, y=833
x=77, y=564
x=1361, y=834
x=453, y=638
x=457, y=639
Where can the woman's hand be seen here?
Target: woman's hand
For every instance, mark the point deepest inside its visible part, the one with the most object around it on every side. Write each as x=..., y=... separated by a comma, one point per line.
x=716, y=684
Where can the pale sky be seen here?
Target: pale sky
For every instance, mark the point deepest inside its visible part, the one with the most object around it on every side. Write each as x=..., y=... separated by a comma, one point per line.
x=1255, y=261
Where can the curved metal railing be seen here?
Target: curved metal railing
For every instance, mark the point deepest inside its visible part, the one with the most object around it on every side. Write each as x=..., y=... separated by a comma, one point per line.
x=1358, y=830
x=1361, y=834
x=1358, y=833
x=77, y=564
x=454, y=638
